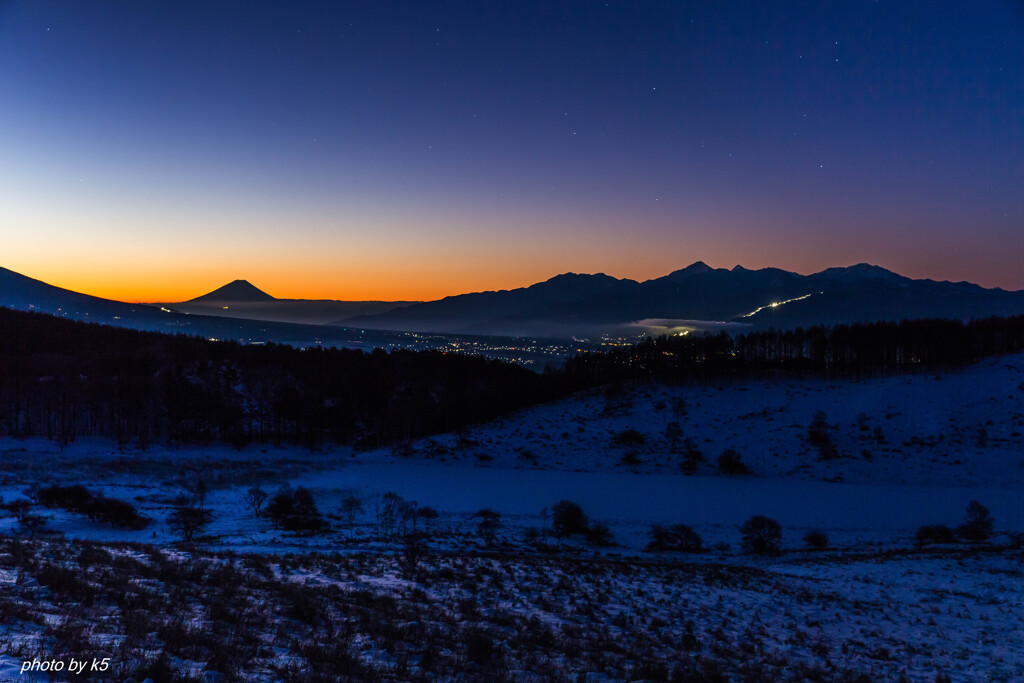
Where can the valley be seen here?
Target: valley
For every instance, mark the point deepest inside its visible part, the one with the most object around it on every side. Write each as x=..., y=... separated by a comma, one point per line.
x=492, y=598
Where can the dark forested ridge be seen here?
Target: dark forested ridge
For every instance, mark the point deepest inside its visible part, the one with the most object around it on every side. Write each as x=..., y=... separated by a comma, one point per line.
x=843, y=350
x=63, y=379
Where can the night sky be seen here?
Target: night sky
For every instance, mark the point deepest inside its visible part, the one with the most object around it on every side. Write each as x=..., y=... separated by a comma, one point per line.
x=378, y=150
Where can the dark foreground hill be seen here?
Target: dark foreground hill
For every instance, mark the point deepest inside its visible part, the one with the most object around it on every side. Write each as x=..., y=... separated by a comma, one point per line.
x=64, y=379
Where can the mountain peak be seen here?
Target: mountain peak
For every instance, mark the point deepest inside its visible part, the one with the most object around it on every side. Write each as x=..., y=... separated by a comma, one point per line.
x=564, y=278
x=696, y=268
x=860, y=271
x=239, y=290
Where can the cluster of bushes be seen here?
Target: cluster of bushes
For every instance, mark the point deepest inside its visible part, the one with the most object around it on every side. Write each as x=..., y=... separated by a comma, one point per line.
x=759, y=535
x=677, y=537
x=629, y=437
x=568, y=520
x=294, y=510
x=80, y=500
x=488, y=525
x=692, y=457
x=731, y=463
x=398, y=516
x=819, y=436
x=978, y=526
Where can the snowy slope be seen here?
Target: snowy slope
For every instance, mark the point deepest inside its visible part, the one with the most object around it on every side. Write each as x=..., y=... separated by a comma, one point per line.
x=874, y=604
x=963, y=427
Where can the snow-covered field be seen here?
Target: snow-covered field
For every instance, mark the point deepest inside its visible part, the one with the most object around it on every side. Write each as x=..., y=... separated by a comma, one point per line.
x=952, y=428
x=951, y=615
x=906, y=451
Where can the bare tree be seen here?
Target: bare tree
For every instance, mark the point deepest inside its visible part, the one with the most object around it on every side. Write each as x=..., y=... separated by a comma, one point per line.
x=427, y=514
x=978, y=523
x=673, y=432
x=200, y=492
x=351, y=506
x=32, y=492
x=19, y=508
x=414, y=549
x=761, y=536
x=254, y=498
x=488, y=525
x=388, y=512
x=186, y=521
x=32, y=523
x=407, y=513
x=678, y=407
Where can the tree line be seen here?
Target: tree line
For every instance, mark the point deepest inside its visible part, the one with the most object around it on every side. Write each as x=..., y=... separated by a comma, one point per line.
x=861, y=349
x=63, y=379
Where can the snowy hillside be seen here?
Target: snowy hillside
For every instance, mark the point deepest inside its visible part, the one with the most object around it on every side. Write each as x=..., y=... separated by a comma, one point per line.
x=906, y=451
x=199, y=616
x=950, y=428
x=519, y=600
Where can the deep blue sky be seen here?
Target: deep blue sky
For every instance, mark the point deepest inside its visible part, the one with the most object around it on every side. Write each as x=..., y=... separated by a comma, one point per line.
x=412, y=150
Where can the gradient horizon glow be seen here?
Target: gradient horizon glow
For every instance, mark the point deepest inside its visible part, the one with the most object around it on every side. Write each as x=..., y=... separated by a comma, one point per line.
x=412, y=150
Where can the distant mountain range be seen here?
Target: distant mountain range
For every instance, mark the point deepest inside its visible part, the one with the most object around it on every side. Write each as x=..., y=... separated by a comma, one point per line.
x=240, y=299
x=24, y=293
x=698, y=297
x=569, y=305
